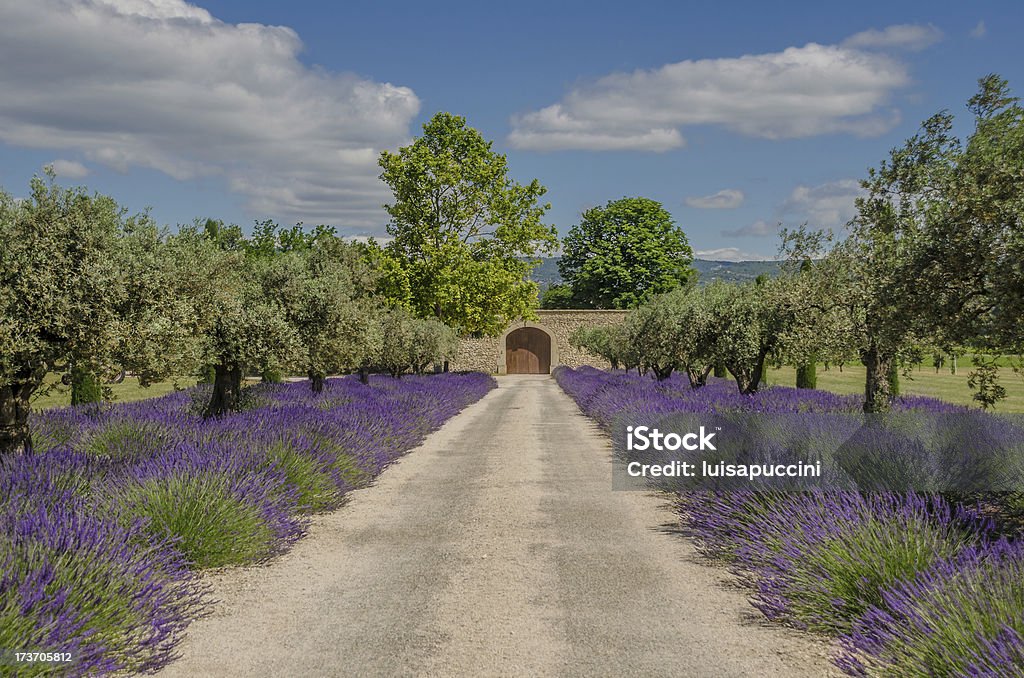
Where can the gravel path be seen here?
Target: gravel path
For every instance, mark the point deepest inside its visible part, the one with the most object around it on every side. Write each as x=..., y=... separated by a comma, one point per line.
x=496, y=548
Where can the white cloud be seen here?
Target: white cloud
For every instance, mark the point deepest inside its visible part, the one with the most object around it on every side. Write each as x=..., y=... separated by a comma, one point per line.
x=799, y=92
x=758, y=229
x=913, y=37
x=727, y=198
x=979, y=31
x=827, y=205
x=164, y=85
x=730, y=254
x=69, y=168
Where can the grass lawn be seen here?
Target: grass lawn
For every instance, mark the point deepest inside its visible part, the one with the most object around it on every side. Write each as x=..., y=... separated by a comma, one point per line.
x=923, y=381
x=128, y=389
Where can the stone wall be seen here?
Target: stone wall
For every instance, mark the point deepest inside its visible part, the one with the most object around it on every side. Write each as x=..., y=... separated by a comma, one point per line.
x=488, y=354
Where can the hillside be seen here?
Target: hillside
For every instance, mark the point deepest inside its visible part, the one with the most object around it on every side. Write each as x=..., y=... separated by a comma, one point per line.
x=727, y=271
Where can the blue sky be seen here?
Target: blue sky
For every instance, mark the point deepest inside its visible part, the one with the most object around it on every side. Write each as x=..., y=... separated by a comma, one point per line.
x=736, y=116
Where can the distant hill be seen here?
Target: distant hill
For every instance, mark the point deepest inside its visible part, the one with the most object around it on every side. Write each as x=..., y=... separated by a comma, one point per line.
x=727, y=271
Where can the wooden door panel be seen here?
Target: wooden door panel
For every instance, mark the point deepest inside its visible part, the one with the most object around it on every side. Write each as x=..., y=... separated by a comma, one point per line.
x=528, y=351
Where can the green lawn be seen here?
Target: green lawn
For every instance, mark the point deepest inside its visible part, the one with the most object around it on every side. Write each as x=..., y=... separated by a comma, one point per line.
x=128, y=389
x=923, y=381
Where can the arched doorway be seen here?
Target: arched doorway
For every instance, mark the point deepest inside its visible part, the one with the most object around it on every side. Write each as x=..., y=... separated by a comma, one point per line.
x=528, y=351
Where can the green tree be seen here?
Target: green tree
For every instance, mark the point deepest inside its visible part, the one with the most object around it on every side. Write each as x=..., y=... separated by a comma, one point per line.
x=935, y=249
x=330, y=315
x=60, y=287
x=463, y=231
x=235, y=325
x=749, y=321
x=557, y=296
x=622, y=254
x=604, y=341
x=968, y=269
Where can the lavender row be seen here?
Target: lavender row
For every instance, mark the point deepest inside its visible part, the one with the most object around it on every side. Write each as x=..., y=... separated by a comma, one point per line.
x=103, y=529
x=909, y=583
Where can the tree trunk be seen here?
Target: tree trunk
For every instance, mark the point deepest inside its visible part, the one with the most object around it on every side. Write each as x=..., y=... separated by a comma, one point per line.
x=316, y=381
x=364, y=375
x=698, y=377
x=227, y=391
x=748, y=380
x=15, y=437
x=877, y=384
x=663, y=373
x=446, y=366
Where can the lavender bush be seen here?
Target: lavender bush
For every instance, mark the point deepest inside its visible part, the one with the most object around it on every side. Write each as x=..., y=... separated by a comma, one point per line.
x=74, y=582
x=822, y=559
x=101, y=530
x=960, y=617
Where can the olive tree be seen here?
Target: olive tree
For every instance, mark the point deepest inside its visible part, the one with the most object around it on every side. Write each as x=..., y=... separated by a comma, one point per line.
x=323, y=293
x=60, y=287
x=235, y=324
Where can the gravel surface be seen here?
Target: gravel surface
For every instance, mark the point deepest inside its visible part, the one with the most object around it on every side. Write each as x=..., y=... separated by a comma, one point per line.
x=496, y=548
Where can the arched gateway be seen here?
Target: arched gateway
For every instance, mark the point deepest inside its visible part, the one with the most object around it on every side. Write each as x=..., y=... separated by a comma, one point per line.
x=518, y=350
x=528, y=351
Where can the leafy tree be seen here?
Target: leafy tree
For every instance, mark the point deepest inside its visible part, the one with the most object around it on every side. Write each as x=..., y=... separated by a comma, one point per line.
x=464, y=232
x=749, y=319
x=59, y=291
x=432, y=342
x=235, y=324
x=605, y=341
x=968, y=270
x=557, y=296
x=624, y=253
x=675, y=331
x=935, y=249
x=332, y=324
x=985, y=382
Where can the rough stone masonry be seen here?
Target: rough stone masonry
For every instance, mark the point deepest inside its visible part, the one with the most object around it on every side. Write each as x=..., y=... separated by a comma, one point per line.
x=488, y=353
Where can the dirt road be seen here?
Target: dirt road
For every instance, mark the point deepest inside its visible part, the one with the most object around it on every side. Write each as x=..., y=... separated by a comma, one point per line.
x=497, y=548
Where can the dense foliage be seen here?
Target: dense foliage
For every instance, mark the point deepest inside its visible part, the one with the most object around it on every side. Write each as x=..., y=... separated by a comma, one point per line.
x=621, y=254
x=91, y=294
x=101, y=531
x=465, y=234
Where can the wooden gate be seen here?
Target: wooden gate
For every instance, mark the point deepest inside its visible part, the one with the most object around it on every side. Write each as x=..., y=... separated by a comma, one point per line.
x=528, y=351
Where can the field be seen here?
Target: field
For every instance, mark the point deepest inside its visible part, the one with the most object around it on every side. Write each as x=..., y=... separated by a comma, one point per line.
x=127, y=391
x=923, y=381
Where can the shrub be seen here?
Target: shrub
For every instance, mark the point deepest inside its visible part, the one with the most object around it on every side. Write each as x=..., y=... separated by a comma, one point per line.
x=807, y=375
x=220, y=507
x=127, y=439
x=963, y=616
x=823, y=559
x=310, y=469
x=73, y=582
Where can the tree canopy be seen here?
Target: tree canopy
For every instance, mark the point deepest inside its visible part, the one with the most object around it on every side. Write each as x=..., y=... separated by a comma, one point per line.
x=463, y=231
x=624, y=253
